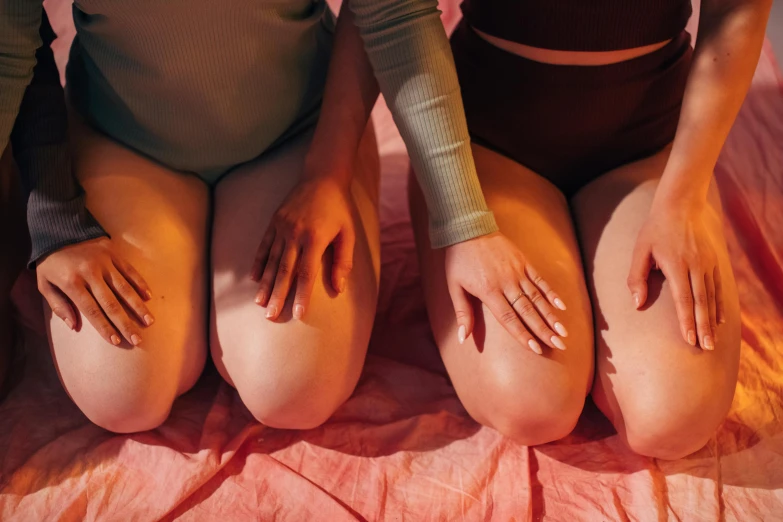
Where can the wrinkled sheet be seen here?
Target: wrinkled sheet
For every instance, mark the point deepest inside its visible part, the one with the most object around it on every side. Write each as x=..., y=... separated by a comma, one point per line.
x=402, y=448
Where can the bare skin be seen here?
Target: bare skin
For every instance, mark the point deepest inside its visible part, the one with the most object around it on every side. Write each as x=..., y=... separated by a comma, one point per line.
x=666, y=358
x=131, y=326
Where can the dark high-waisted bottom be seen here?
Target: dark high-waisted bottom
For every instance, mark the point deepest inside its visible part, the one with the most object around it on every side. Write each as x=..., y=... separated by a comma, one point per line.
x=570, y=123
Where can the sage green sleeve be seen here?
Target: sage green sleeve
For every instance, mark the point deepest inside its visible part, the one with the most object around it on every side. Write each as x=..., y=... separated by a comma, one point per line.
x=19, y=38
x=410, y=54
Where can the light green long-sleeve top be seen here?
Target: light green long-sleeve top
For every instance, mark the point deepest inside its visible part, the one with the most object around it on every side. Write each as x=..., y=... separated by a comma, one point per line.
x=203, y=86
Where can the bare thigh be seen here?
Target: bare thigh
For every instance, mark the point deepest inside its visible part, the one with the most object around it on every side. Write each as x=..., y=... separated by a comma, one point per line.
x=291, y=374
x=665, y=397
x=532, y=398
x=157, y=219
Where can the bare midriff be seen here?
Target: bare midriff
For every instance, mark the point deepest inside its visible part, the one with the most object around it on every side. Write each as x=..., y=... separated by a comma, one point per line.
x=570, y=57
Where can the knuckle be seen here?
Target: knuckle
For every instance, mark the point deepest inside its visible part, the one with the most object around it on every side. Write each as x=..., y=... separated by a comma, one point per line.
x=93, y=312
x=536, y=297
x=701, y=299
x=304, y=273
x=686, y=300
x=284, y=269
x=112, y=307
x=123, y=287
x=527, y=309
x=508, y=317
x=72, y=280
x=461, y=314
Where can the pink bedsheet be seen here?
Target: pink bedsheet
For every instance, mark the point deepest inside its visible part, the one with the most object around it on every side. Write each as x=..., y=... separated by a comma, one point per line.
x=402, y=448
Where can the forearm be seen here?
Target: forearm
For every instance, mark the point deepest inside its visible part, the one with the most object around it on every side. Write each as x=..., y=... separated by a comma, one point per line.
x=350, y=94
x=56, y=211
x=731, y=34
x=411, y=57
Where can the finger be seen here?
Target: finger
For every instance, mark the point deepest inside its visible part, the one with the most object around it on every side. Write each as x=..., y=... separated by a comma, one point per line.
x=87, y=305
x=719, y=303
x=122, y=289
x=543, y=307
x=114, y=311
x=535, y=323
x=270, y=271
x=463, y=310
x=701, y=310
x=262, y=253
x=130, y=274
x=683, y=301
x=306, y=272
x=343, y=259
x=508, y=318
x=544, y=287
x=61, y=306
x=712, y=305
x=641, y=264
x=285, y=274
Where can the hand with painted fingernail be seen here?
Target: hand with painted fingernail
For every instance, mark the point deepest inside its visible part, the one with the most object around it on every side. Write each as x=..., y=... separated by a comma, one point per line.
x=92, y=278
x=317, y=214
x=492, y=269
x=676, y=240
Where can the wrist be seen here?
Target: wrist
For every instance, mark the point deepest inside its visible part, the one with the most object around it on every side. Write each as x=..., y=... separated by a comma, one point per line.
x=680, y=197
x=319, y=168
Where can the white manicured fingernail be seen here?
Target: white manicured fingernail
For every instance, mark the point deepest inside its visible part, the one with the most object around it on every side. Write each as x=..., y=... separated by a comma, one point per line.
x=558, y=342
x=298, y=311
x=115, y=340
x=535, y=346
x=148, y=319
x=271, y=312
x=461, y=334
x=559, y=303
x=69, y=323
x=691, y=337
x=708, y=343
x=260, y=298
x=135, y=339
x=637, y=300
x=559, y=328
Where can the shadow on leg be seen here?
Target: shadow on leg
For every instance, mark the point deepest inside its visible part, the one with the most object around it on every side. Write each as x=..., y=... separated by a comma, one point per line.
x=291, y=374
x=664, y=397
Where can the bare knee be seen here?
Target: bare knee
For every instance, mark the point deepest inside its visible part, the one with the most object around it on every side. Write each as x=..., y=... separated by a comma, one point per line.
x=127, y=412
x=138, y=399
x=294, y=406
x=528, y=416
x=297, y=396
x=672, y=425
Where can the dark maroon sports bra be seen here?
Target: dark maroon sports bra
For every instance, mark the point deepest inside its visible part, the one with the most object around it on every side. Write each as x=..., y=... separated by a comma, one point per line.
x=580, y=25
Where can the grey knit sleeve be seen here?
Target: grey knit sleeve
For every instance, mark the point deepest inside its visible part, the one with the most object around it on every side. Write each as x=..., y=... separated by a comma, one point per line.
x=410, y=54
x=56, y=211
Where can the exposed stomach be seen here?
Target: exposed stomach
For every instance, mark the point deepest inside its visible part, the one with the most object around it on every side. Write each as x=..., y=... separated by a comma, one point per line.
x=570, y=57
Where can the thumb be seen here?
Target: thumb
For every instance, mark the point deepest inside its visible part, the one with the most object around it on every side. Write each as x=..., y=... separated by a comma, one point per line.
x=641, y=264
x=463, y=311
x=343, y=259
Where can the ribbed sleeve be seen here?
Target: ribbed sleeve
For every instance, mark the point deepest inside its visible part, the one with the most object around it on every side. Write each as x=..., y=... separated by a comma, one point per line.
x=56, y=211
x=410, y=54
x=19, y=23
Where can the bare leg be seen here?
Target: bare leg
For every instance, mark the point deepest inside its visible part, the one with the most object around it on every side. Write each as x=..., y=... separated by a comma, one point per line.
x=158, y=221
x=531, y=398
x=291, y=374
x=664, y=397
